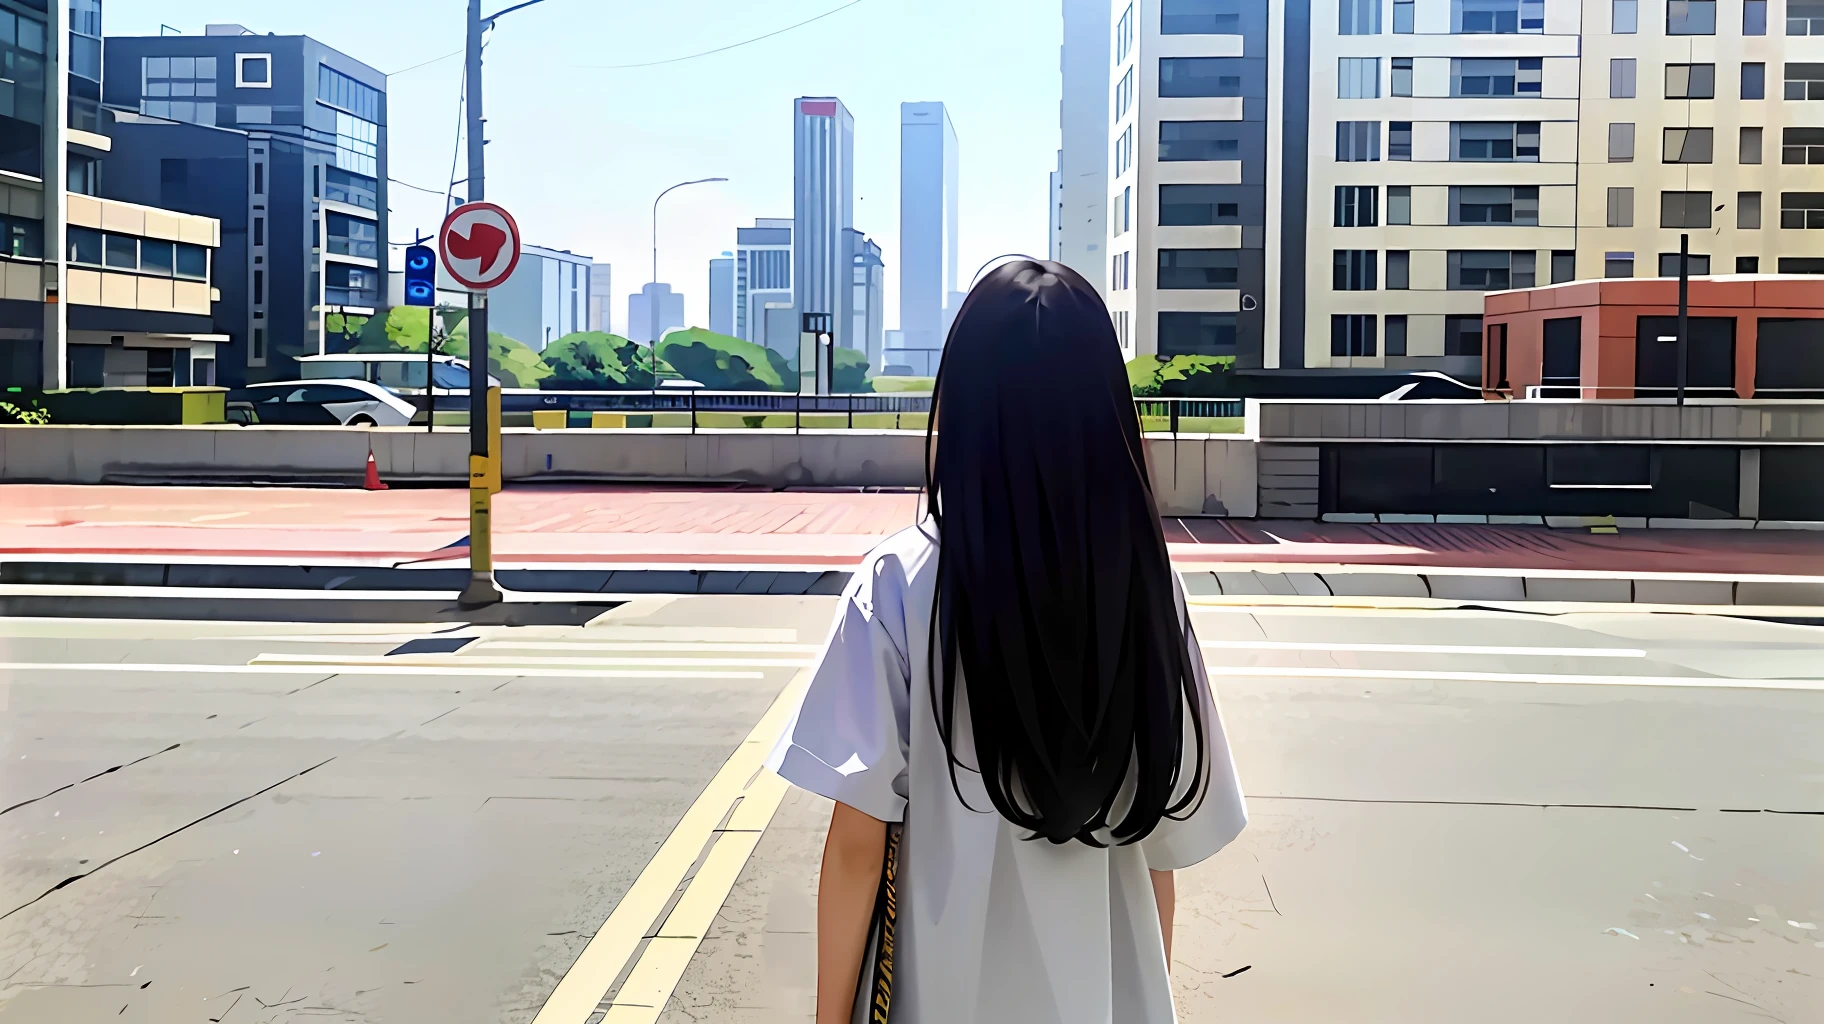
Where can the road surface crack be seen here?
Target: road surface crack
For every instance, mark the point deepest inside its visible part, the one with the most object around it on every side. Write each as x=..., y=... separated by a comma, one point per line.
x=219, y=810
x=91, y=778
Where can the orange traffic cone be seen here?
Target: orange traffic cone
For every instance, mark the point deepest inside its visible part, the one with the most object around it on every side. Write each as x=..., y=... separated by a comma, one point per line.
x=373, y=481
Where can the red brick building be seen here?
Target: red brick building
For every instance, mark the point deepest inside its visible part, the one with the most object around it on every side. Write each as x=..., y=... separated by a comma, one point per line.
x=1749, y=335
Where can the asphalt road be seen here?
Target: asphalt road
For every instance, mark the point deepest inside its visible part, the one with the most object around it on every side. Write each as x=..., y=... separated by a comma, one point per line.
x=1455, y=815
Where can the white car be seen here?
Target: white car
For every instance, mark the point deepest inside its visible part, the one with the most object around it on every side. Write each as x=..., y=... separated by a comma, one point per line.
x=348, y=403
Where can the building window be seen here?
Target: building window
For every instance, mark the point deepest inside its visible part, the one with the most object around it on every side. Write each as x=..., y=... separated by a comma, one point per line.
x=1127, y=208
x=351, y=236
x=1399, y=140
x=1690, y=81
x=1805, y=81
x=1353, y=270
x=1691, y=18
x=1196, y=334
x=1624, y=17
x=1124, y=34
x=1695, y=265
x=1621, y=207
x=1802, y=146
x=120, y=252
x=1352, y=334
x=1480, y=76
x=1396, y=334
x=1502, y=17
x=22, y=237
x=256, y=352
x=357, y=145
x=1399, y=204
x=1358, y=141
x=1750, y=147
x=1463, y=336
x=348, y=187
x=344, y=93
x=1748, y=211
x=1564, y=265
x=1802, y=210
x=259, y=179
x=1688, y=145
x=178, y=88
x=1684, y=209
x=1200, y=140
x=1400, y=79
x=1621, y=78
x=1747, y=264
x=253, y=71
x=1754, y=17
x=1358, y=18
x=1402, y=17
x=1399, y=270
x=1754, y=81
x=1200, y=17
x=259, y=287
x=1621, y=142
x=1802, y=19
x=1618, y=264
x=259, y=231
x=1210, y=76
x=1482, y=270
x=346, y=285
x=1801, y=265
x=1124, y=150
x=1494, y=204
x=84, y=175
x=1357, y=206
x=1495, y=141
x=1124, y=94
x=1199, y=269
x=85, y=246
x=1186, y=205
x=1358, y=78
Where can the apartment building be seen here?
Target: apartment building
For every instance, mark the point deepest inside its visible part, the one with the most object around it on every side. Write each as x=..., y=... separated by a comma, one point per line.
x=1336, y=184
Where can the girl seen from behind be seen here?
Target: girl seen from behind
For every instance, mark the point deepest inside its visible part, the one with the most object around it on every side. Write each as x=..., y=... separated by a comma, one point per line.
x=1015, y=683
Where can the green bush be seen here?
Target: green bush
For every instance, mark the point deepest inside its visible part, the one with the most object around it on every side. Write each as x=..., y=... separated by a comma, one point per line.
x=851, y=373
x=1181, y=376
x=590, y=360
x=722, y=363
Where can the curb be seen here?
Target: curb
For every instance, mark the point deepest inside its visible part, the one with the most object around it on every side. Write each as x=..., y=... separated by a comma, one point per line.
x=1558, y=588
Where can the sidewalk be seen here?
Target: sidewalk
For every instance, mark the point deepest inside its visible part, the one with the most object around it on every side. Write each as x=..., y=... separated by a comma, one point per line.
x=609, y=526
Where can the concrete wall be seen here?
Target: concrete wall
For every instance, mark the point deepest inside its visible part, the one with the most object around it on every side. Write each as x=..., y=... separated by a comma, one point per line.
x=1723, y=422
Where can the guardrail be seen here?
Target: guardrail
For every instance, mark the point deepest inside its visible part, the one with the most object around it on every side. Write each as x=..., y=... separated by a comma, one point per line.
x=1572, y=392
x=696, y=409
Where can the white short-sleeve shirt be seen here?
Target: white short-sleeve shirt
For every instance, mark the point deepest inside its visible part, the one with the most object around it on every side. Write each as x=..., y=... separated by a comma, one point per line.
x=992, y=927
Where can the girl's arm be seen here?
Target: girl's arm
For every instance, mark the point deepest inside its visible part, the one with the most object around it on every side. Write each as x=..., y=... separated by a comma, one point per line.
x=1165, y=893
x=846, y=891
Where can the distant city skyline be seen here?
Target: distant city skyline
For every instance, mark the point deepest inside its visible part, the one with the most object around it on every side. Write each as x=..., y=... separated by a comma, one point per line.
x=628, y=133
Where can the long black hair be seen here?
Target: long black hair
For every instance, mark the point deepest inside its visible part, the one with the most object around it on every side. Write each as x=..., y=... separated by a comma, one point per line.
x=1056, y=609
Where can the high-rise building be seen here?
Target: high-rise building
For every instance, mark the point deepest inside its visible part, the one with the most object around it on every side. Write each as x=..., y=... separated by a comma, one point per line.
x=1054, y=212
x=1336, y=187
x=722, y=294
x=601, y=298
x=823, y=206
x=308, y=217
x=763, y=280
x=928, y=221
x=652, y=311
x=96, y=289
x=1081, y=197
x=546, y=297
x=866, y=298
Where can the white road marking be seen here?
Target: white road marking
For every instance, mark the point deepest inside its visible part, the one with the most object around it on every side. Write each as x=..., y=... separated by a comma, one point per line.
x=654, y=646
x=377, y=669
x=333, y=660
x=1413, y=675
x=1518, y=652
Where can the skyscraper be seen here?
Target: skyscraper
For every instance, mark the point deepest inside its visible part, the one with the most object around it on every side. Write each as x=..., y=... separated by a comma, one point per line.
x=1081, y=201
x=865, y=296
x=823, y=205
x=652, y=311
x=763, y=281
x=927, y=222
x=601, y=298
x=722, y=294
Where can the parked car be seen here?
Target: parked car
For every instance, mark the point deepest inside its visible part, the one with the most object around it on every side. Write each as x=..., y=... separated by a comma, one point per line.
x=402, y=372
x=1430, y=384
x=348, y=403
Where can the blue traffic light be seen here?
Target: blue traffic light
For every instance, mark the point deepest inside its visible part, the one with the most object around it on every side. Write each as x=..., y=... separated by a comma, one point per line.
x=420, y=276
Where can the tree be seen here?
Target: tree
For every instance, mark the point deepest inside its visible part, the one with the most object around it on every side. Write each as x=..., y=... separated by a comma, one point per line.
x=595, y=359
x=1181, y=376
x=722, y=363
x=516, y=365
x=851, y=373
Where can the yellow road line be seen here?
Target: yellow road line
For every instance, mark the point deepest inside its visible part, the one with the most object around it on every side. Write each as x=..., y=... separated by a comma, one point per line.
x=636, y=916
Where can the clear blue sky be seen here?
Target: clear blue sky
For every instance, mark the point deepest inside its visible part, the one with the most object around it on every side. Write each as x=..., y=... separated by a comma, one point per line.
x=578, y=153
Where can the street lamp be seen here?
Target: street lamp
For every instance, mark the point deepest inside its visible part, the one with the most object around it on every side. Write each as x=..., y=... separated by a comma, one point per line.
x=652, y=297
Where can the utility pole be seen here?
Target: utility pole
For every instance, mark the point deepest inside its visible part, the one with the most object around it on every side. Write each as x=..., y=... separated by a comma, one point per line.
x=481, y=589
x=55, y=349
x=1684, y=309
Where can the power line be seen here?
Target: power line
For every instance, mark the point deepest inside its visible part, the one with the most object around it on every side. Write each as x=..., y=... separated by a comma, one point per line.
x=417, y=188
x=721, y=49
x=426, y=64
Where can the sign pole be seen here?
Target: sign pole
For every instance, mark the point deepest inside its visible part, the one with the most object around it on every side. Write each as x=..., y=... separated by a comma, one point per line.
x=481, y=590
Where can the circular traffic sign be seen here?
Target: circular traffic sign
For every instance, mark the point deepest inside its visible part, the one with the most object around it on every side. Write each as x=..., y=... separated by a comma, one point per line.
x=479, y=243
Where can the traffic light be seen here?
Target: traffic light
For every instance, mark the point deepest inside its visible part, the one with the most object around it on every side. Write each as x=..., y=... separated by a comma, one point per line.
x=420, y=276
